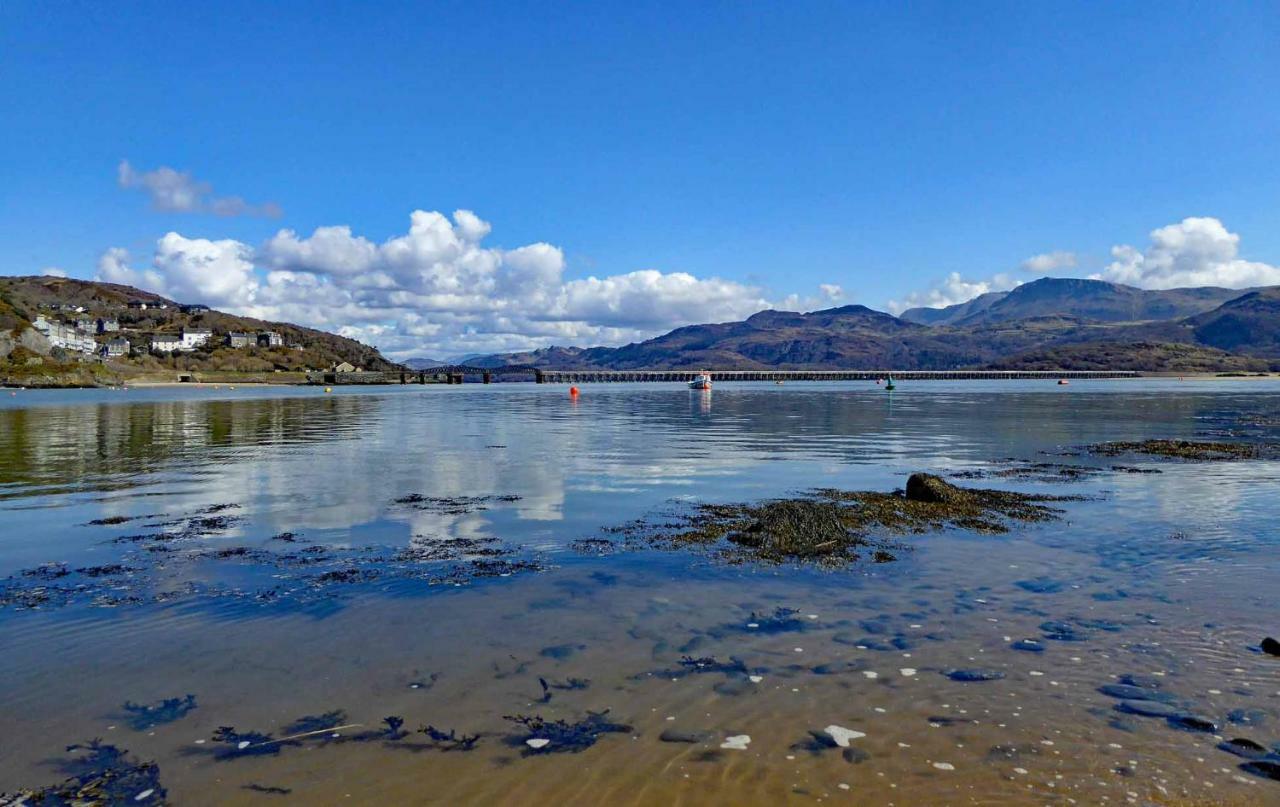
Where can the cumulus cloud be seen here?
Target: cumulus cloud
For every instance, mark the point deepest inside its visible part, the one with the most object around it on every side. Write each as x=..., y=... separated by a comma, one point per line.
x=173, y=191
x=952, y=290
x=437, y=289
x=1198, y=251
x=1047, y=262
x=53, y=271
x=830, y=291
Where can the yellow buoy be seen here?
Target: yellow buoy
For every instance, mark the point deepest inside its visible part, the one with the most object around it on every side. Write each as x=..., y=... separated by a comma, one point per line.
x=328, y=389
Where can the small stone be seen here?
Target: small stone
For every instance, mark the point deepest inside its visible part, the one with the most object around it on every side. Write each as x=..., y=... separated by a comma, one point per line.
x=537, y=742
x=908, y=671
x=1270, y=646
x=944, y=766
x=1147, y=708
x=1264, y=768
x=1193, y=723
x=1127, y=692
x=737, y=742
x=1028, y=646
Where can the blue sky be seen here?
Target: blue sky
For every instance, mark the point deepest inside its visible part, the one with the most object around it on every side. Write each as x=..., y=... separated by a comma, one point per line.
x=774, y=148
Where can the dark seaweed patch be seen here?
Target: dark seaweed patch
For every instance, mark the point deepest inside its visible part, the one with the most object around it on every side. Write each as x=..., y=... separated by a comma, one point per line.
x=450, y=740
x=1196, y=450
x=562, y=737
x=452, y=505
x=270, y=790
x=833, y=527
x=143, y=716
x=98, y=774
x=313, y=723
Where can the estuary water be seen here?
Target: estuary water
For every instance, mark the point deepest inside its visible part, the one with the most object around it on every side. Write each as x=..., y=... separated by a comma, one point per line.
x=304, y=565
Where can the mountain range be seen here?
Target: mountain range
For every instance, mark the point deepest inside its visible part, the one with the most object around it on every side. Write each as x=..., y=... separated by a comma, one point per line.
x=1051, y=323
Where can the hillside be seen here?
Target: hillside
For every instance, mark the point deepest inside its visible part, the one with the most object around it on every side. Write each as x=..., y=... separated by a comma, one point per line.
x=1248, y=324
x=1050, y=323
x=23, y=299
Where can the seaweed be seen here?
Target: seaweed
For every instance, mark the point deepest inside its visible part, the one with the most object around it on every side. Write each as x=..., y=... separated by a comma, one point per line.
x=1194, y=450
x=144, y=716
x=246, y=743
x=313, y=723
x=450, y=741
x=452, y=505
x=709, y=664
x=104, y=775
x=560, y=736
x=782, y=620
x=834, y=527
x=270, y=790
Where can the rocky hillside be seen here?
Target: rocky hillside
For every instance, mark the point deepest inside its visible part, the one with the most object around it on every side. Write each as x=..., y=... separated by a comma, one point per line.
x=23, y=299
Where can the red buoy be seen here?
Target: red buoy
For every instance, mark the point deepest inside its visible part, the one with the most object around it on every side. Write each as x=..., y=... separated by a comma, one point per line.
x=573, y=392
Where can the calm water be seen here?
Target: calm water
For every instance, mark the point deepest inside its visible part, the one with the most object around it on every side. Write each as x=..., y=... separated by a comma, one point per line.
x=448, y=613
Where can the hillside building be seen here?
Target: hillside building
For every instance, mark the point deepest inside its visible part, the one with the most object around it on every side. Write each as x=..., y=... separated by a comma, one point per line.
x=115, y=348
x=270, y=339
x=193, y=338
x=108, y=325
x=238, y=339
x=65, y=335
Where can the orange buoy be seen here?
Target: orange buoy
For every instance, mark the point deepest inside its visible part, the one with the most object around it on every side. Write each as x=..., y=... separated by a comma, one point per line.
x=1062, y=382
x=573, y=392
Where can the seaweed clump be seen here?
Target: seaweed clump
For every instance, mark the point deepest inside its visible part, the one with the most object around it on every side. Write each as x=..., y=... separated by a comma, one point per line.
x=104, y=775
x=561, y=737
x=1197, y=450
x=835, y=527
x=143, y=716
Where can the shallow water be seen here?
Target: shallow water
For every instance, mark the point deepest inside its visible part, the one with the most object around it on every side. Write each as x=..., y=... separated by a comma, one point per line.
x=1168, y=575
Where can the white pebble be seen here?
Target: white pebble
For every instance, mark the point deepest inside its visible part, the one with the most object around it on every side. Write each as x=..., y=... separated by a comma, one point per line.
x=870, y=673
x=755, y=679
x=737, y=742
x=944, y=766
x=537, y=742
x=908, y=671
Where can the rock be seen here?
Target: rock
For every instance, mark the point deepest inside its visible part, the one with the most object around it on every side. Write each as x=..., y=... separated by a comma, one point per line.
x=968, y=676
x=1270, y=646
x=1127, y=692
x=737, y=742
x=692, y=736
x=1063, y=632
x=1041, y=585
x=1028, y=646
x=1242, y=747
x=1191, y=722
x=1147, y=708
x=537, y=742
x=930, y=488
x=1264, y=768
x=1139, y=680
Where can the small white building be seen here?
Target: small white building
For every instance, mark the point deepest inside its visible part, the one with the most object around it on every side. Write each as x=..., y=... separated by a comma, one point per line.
x=108, y=325
x=193, y=338
x=270, y=339
x=166, y=343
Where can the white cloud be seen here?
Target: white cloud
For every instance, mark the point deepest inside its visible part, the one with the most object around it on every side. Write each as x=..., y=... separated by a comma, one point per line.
x=830, y=291
x=954, y=289
x=53, y=271
x=1194, y=252
x=173, y=191
x=1047, y=262
x=435, y=290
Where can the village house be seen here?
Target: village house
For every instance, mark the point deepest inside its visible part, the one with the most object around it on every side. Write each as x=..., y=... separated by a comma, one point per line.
x=86, y=324
x=166, y=343
x=108, y=325
x=138, y=305
x=238, y=339
x=270, y=339
x=344, y=367
x=115, y=348
x=194, y=308
x=193, y=338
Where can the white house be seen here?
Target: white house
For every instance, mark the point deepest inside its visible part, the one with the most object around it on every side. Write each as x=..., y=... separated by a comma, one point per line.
x=166, y=343
x=192, y=338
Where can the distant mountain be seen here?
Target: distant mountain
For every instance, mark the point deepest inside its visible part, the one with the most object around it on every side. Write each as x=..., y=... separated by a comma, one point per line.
x=1089, y=300
x=1050, y=322
x=420, y=363
x=1249, y=324
x=953, y=313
